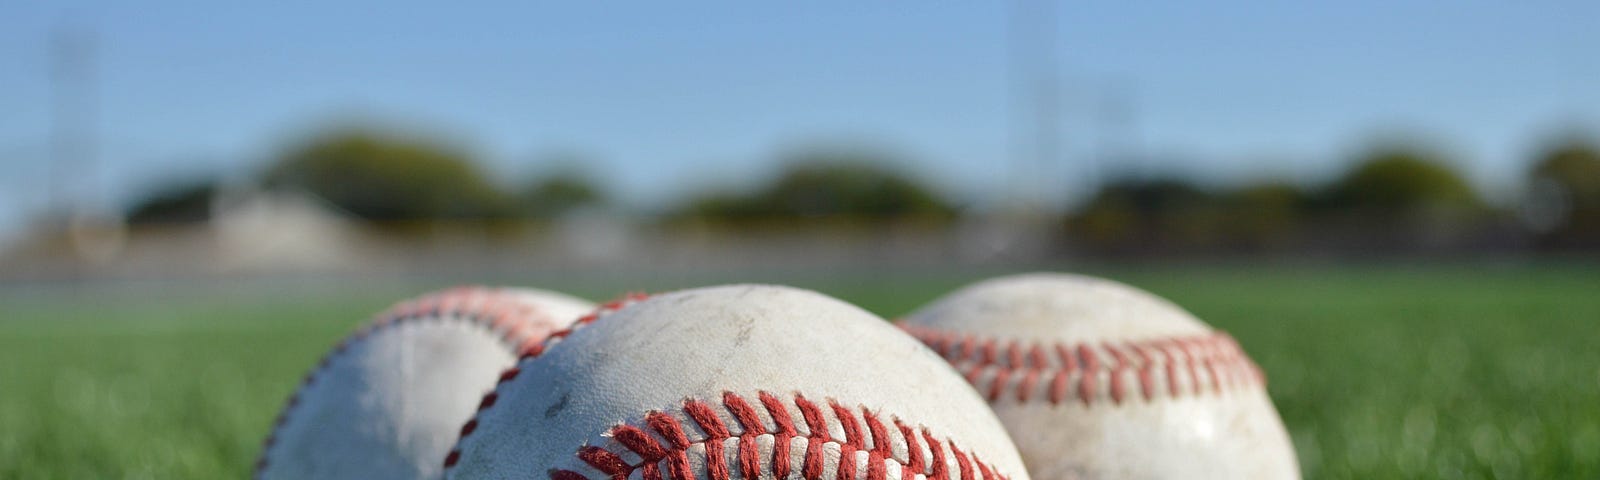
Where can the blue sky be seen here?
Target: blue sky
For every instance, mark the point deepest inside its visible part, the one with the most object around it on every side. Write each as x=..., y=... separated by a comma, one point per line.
x=679, y=96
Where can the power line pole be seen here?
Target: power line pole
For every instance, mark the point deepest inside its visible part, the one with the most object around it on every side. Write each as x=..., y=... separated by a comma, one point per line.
x=95, y=233
x=72, y=146
x=1037, y=101
x=1119, y=141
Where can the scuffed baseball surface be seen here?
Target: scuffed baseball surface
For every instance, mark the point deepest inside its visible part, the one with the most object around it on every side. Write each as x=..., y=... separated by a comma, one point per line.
x=1095, y=379
x=735, y=382
x=388, y=402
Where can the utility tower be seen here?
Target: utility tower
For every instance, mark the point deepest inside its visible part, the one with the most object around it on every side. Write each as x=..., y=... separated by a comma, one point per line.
x=72, y=136
x=1036, y=116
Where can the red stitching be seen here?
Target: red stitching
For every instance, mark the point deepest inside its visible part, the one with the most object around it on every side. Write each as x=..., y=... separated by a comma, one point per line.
x=605, y=461
x=749, y=453
x=531, y=348
x=876, y=438
x=881, y=449
x=852, y=430
x=1091, y=374
x=880, y=434
x=940, y=470
x=812, y=469
x=564, y=475
x=1014, y=353
x=1058, y=387
x=1114, y=372
x=1119, y=365
x=961, y=459
x=1025, y=387
x=640, y=442
x=912, y=449
x=785, y=424
x=852, y=442
x=677, y=459
x=497, y=310
x=716, y=432
x=846, y=469
x=998, y=383
x=1038, y=357
x=967, y=345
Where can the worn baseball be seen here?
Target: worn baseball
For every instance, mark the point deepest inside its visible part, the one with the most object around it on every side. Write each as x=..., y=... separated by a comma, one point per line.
x=386, y=403
x=736, y=382
x=1099, y=380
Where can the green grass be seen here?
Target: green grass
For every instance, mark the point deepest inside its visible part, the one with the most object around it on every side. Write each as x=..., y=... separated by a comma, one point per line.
x=1379, y=372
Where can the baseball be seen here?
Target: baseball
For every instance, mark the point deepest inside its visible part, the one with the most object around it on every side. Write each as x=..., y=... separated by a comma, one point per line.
x=388, y=400
x=1099, y=380
x=735, y=382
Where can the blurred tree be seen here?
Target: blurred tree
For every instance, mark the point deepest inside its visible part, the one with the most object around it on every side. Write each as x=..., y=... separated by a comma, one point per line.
x=822, y=186
x=188, y=202
x=1170, y=215
x=560, y=193
x=383, y=177
x=1564, y=191
x=1144, y=215
x=1263, y=215
x=1399, y=197
x=842, y=184
x=1400, y=182
x=1157, y=197
x=1107, y=220
x=724, y=206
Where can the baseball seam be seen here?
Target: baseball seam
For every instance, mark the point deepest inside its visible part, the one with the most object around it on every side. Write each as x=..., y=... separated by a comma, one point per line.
x=514, y=323
x=1095, y=372
x=530, y=350
x=861, y=446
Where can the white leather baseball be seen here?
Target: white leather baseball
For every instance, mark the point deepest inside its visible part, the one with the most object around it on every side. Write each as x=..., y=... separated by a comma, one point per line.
x=388, y=402
x=1098, y=380
x=737, y=382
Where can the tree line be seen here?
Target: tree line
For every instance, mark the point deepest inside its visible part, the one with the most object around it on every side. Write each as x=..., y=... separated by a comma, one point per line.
x=386, y=178
x=1391, y=196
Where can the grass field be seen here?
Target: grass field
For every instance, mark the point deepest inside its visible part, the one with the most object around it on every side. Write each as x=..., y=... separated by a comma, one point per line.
x=1379, y=372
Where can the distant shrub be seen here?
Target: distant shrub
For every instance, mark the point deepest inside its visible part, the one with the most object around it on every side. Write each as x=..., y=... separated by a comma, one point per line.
x=1564, y=195
x=382, y=177
x=827, y=185
x=1399, y=184
x=180, y=203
